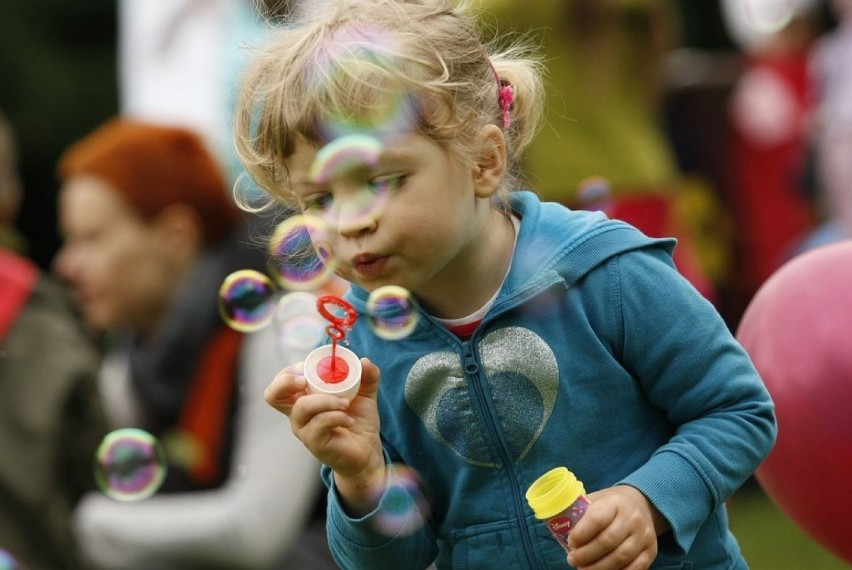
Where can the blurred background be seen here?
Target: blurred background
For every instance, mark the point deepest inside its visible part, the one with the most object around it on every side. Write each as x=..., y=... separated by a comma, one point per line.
x=58, y=63
x=736, y=108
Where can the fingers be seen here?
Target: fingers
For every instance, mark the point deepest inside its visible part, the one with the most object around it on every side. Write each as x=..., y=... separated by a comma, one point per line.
x=314, y=419
x=614, y=534
x=287, y=387
x=586, y=546
x=370, y=376
x=321, y=410
x=613, y=550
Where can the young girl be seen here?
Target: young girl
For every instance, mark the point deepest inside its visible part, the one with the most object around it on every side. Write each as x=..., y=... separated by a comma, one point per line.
x=546, y=337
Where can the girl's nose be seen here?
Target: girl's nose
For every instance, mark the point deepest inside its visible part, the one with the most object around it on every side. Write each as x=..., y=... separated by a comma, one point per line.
x=352, y=218
x=355, y=225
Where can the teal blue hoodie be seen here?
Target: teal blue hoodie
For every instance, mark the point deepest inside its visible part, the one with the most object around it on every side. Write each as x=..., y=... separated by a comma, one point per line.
x=597, y=356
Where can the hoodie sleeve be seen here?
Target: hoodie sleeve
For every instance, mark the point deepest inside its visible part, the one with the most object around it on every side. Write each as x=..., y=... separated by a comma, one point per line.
x=394, y=531
x=691, y=367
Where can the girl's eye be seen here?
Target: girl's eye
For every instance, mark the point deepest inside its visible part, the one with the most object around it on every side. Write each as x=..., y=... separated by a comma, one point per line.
x=319, y=202
x=387, y=183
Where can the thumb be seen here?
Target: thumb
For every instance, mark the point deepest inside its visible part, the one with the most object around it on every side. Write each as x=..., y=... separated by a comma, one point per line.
x=370, y=376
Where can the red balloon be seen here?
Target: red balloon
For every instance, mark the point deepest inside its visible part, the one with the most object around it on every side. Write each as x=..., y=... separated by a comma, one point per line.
x=798, y=331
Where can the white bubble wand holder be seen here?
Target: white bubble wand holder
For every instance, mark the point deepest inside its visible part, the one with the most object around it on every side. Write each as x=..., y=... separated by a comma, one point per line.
x=334, y=369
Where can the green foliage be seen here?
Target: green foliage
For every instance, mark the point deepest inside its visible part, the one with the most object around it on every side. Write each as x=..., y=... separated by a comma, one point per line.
x=770, y=540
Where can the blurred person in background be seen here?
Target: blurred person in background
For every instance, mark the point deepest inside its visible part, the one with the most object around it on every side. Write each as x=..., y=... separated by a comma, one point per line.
x=51, y=419
x=832, y=133
x=771, y=114
x=150, y=234
x=603, y=112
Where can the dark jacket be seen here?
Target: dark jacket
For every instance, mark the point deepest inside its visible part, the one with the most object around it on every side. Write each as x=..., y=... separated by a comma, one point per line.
x=50, y=417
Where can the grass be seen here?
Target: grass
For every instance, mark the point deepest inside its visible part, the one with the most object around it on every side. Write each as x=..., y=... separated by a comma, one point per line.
x=770, y=540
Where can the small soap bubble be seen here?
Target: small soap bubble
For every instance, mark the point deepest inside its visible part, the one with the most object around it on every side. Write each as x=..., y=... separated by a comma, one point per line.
x=595, y=193
x=404, y=509
x=8, y=562
x=298, y=324
x=301, y=254
x=392, y=312
x=248, y=195
x=246, y=300
x=130, y=465
x=183, y=449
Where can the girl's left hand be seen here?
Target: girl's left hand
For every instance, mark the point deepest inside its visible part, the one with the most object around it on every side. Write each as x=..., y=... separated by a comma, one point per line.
x=618, y=532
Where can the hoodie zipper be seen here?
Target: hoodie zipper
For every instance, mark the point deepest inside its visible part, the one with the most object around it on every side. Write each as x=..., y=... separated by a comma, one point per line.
x=471, y=368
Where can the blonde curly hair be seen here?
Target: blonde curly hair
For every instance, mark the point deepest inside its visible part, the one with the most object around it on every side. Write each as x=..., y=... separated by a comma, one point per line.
x=360, y=65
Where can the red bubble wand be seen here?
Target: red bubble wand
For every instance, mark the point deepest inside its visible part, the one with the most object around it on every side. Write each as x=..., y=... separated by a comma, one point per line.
x=333, y=369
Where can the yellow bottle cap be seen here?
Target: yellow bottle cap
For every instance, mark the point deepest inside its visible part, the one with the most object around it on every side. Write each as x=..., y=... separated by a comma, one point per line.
x=554, y=492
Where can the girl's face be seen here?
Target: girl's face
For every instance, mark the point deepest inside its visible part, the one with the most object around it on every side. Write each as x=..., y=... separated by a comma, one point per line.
x=119, y=266
x=428, y=234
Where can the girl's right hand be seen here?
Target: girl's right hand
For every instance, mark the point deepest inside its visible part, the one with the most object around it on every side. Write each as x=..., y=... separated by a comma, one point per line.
x=340, y=433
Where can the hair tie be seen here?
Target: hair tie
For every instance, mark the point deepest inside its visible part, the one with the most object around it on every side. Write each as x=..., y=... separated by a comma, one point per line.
x=505, y=95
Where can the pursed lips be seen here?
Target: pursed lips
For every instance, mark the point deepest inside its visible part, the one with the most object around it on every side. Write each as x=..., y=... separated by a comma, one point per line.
x=369, y=265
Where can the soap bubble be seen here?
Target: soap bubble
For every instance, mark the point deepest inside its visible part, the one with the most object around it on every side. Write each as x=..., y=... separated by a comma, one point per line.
x=352, y=157
x=364, y=59
x=246, y=300
x=343, y=155
x=298, y=324
x=404, y=508
x=301, y=253
x=595, y=193
x=130, y=465
x=392, y=312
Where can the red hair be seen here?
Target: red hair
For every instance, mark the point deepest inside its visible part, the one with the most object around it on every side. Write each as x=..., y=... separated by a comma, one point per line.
x=153, y=167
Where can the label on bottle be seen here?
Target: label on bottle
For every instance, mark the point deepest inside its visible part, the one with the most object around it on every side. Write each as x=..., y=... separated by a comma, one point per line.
x=560, y=525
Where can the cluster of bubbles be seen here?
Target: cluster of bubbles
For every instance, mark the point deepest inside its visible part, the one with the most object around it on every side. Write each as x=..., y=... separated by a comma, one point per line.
x=300, y=253
x=250, y=301
x=130, y=465
x=302, y=262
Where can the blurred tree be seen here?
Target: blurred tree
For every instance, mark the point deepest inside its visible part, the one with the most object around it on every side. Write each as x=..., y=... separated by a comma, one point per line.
x=58, y=69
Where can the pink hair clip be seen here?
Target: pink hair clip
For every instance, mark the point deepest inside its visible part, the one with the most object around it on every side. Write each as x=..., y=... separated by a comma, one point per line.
x=505, y=96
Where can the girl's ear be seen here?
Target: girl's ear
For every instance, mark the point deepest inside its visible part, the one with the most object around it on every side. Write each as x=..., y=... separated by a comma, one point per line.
x=492, y=164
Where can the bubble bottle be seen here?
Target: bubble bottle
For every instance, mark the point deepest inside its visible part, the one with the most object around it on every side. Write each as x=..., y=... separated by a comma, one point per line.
x=559, y=499
x=334, y=369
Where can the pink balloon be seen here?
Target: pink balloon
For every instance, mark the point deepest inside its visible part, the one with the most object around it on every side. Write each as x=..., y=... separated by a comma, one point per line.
x=798, y=331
